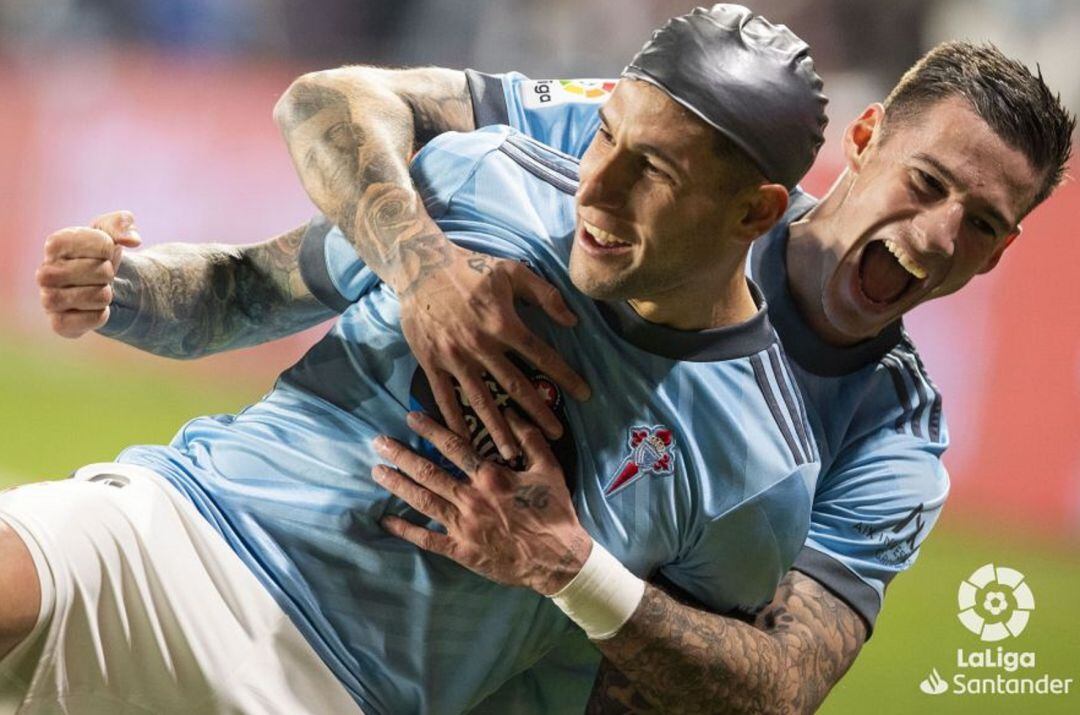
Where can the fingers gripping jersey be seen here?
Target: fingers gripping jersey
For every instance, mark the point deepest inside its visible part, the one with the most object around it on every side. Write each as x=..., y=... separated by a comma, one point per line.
x=693, y=459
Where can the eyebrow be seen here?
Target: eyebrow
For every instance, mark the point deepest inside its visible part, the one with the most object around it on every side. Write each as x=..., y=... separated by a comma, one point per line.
x=995, y=215
x=647, y=148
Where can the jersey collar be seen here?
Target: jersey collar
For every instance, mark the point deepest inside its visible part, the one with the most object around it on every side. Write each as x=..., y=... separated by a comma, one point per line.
x=727, y=343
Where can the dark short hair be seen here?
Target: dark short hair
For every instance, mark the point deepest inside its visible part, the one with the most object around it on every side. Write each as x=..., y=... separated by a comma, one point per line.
x=744, y=172
x=1017, y=104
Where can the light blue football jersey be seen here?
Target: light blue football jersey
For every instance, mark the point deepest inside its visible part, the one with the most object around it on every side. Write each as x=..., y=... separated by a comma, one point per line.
x=876, y=389
x=876, y=414
x=693, y=462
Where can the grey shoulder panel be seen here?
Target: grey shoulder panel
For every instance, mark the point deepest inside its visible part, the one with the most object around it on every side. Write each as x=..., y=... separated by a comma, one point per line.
x=313, y=267
x=488, y=100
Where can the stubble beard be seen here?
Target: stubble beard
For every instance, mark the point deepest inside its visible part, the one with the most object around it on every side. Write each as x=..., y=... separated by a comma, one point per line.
x=607, y=286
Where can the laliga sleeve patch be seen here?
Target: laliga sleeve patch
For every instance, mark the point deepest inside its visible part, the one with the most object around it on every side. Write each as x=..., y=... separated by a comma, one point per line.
x=536, y=94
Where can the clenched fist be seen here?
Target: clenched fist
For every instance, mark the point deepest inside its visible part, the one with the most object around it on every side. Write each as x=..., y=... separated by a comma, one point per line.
x=76, y=275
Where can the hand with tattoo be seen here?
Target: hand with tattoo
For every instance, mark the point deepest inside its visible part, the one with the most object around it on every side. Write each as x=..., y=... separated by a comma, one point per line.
x=76, y=275
x=514, y=528
x=350, y=133
x=461, y=322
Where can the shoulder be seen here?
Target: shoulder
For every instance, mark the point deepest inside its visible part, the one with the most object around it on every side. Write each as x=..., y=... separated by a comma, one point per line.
x=897, y=397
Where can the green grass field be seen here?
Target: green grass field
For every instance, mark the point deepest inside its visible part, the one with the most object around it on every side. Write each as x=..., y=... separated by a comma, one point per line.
x=60, y=409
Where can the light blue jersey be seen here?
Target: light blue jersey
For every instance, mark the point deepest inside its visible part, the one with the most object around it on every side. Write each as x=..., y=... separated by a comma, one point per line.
x=693, y=462
x=875, y=413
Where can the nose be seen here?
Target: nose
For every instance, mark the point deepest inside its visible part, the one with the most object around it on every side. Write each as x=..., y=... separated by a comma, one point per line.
x=938, y=229
x=604, y=181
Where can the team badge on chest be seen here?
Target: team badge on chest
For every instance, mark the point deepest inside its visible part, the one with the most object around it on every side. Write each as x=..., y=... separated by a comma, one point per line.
x=651, y=452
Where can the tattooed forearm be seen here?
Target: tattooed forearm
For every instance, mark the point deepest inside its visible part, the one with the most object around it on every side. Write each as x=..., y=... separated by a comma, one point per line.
x=672, y=658
x=190, y=300
x=350, y=133
x=399, y=238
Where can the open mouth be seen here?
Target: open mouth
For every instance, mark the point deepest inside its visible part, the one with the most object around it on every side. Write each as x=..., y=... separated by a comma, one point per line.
x=600, y=241
x=886, y=271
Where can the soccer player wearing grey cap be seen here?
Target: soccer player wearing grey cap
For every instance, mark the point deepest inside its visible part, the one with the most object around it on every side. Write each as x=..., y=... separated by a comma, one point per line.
x=240, y=566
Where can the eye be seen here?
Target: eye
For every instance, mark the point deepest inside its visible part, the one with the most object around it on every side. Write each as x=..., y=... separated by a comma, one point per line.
x=928, y=184
x=655, y=171
x=604, y=134
x=982, y=226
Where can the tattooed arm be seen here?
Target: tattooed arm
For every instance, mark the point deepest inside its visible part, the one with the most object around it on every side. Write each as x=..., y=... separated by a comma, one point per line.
x=191, y=300
x=175, y=300
x=672, y=658
x=351, y=132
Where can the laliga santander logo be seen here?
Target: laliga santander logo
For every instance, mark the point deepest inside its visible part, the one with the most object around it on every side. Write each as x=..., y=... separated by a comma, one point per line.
x=995, y=603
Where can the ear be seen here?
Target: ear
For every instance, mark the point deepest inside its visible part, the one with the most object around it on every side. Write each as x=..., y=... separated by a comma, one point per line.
x=1001, y=250
x=858, y=135
x=764, y=207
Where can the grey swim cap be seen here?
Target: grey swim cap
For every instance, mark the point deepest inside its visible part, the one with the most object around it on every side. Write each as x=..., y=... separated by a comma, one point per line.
x=751, y=80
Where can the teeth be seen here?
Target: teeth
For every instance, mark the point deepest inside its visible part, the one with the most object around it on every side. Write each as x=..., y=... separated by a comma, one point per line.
x=603, y=237
x=909, y=264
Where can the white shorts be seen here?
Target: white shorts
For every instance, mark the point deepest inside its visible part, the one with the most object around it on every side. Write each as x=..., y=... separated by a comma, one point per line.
x=145, y=609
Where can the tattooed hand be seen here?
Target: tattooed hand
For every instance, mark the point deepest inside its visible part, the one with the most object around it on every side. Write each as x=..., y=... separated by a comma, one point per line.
x=76, y=276
x=460, y=322
x=515, y=528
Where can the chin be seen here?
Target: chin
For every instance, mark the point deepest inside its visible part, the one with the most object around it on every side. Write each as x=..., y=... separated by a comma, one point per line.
x=596, y=288
x=594, y=285
x=847, y=321
x=853, y=324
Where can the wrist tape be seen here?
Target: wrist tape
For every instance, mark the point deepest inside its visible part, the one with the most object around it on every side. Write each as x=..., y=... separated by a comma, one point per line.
x=602, y=596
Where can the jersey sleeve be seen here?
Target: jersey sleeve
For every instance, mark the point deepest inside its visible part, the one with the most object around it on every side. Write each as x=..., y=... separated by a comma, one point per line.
x=330, y=267
x=873, y=508
x=329, y=264
x=559, y=113
x=739, y=557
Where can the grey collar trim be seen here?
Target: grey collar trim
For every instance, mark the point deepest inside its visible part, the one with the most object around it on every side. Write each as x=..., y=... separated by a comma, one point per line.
x=727, y=343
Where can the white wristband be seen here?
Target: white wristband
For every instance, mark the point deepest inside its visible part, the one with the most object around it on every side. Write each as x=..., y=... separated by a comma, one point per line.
x=602, y=596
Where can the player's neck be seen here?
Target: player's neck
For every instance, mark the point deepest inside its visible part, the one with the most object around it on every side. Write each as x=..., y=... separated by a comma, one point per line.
x=805, y=263
x=689, y=307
